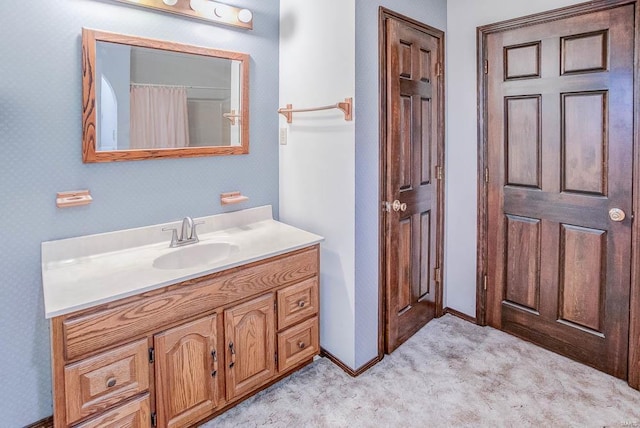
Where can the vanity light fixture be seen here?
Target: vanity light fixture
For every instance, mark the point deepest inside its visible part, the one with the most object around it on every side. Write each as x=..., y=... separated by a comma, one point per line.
x=206, y=10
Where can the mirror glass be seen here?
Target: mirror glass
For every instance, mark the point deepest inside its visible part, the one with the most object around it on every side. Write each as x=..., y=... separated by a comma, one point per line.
x=162, y=99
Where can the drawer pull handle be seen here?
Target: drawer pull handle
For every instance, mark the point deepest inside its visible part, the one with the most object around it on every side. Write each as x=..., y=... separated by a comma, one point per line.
x=301, y=304
x=214, y=356
x=301, y=345
x=233, y=355
x=111, y=382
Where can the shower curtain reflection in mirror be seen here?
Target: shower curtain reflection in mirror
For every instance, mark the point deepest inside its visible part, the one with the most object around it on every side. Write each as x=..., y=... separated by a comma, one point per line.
x=159, y=117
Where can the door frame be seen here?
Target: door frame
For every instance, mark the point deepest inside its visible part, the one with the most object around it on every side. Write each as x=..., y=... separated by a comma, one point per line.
x=482, y=256
x=383, y=15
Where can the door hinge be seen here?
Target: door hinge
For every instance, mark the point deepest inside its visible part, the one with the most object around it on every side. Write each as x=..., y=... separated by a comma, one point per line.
x=275, y=358
x=436, y=275
x=484, y=282
x=439, y=172
x=486, y=66
x=154, y=419
x=152, y=355
x=439, y=69
x=486, y=175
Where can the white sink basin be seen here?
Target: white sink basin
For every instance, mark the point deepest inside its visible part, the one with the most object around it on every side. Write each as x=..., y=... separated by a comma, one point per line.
x=195, y=255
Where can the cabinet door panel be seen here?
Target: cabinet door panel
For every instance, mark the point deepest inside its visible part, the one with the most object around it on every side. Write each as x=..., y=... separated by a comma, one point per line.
x=186, y=373
x=250, y=338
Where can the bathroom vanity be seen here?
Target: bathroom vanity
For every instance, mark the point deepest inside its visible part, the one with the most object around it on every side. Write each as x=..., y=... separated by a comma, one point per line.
x=145, y=335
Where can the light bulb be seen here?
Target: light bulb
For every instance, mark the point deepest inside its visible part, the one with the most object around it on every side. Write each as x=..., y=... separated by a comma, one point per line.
x=198, y=5
x=170, y=2
x=245, y=16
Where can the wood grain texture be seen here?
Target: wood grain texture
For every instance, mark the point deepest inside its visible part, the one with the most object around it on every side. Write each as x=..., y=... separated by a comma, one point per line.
x=426, y=240
x=42, y=423
x=600, y=173
x=84, y=334
x=184, y=365
x=426, y=157
x=298, y=344
x=57, y=372
x=523, y=261
x=297, y=302
x=522, y=61
x=634, y=331
x=186, y=387
x=406, y=156
x=412, y=137
x=98, y=383
x=584, y=142
x=404, y=266
x=523, y=140
x=134, y=414
x=483, y=33
x=583, y=53
x=583, y=275
x=250, y=337
x=89, y=152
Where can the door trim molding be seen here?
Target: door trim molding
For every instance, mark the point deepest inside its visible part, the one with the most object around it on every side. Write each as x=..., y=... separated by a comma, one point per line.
x=383, y=15
x=552, y=15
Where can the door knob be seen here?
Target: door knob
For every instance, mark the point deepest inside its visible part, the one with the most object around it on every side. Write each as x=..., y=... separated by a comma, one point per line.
x=616, y=214
x=398, y=206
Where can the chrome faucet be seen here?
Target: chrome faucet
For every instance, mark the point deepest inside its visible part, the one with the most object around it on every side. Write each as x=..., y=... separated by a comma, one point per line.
x=188, y=234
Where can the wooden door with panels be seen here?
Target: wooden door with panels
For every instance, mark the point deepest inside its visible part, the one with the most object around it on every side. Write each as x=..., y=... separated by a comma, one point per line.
x=412, y=190
x=559, y=123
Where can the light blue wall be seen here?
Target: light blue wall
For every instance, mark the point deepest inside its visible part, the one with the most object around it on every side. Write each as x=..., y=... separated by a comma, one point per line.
x=430, y=12
x=40, y=154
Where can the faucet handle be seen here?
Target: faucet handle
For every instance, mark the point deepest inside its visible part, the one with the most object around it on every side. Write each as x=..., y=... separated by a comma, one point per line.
x=174, y=235
x=194, y=234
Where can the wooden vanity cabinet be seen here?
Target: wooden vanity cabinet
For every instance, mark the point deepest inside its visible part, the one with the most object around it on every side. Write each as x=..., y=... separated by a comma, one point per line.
x=182, y=354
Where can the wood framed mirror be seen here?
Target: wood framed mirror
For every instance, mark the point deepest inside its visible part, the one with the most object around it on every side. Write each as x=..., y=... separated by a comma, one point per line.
x=147, y=99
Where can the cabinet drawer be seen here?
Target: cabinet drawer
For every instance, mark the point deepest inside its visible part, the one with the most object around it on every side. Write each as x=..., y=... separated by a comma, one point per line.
x=297, y=344
x=99, y=382
x=135, y=414
x=297, y=302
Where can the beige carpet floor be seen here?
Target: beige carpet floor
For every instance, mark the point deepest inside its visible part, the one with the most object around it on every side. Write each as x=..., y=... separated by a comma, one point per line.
x=451, y=373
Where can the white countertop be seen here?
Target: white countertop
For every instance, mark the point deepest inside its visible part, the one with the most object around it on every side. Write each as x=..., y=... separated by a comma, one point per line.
x=78, y=273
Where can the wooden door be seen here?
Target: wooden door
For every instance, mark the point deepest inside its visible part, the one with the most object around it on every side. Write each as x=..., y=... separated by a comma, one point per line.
x=560, y=148
x=186, y=373
x=412, y=147
x=250, y=341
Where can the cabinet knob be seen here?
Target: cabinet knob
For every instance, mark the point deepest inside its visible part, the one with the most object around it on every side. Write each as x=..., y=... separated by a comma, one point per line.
x=301, y=303
x=301, y=345
x=111, y=382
